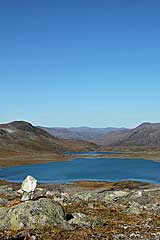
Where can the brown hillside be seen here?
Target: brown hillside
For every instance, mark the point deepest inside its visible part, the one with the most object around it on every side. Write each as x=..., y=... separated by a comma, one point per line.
x=23, y=136
x=146, y=134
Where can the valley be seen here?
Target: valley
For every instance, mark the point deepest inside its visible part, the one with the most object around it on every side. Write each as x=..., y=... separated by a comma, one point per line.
x=22, y=143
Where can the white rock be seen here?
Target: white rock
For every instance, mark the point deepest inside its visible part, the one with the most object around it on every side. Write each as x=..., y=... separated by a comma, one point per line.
x=49, y=193
x=29, y=184
x=20, y=191
x=27, y=196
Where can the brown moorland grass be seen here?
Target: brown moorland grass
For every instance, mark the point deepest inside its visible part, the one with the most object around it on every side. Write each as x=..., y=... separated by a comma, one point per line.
x=113, y=222
x=15, y=158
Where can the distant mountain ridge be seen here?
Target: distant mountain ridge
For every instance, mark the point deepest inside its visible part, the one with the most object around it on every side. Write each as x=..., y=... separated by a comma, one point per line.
x=23, y=136
x=146, y=134
x=80, y=133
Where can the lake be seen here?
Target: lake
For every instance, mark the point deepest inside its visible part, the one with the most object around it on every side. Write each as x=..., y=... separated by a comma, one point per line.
x=97, y=169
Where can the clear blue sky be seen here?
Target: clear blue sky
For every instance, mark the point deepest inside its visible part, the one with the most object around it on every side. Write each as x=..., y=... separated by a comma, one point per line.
x=80, y=62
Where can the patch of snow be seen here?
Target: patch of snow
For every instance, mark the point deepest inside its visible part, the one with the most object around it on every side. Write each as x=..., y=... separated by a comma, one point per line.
x=8, y=130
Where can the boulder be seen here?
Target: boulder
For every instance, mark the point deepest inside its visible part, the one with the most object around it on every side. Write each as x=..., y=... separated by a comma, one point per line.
x=82, y=220
x=134, y=208
x=32, y=214
x=114, y=195
x=38, y=193
x=29, y=184
x=79, y=219
x=28, y=188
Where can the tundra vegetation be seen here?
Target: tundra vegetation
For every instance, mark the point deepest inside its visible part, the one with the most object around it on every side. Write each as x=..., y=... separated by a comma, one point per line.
x=82, y=210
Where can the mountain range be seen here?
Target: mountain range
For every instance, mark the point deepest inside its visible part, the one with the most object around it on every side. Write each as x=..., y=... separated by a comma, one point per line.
x=81, y=133
x=21, y=136
x=146, y=134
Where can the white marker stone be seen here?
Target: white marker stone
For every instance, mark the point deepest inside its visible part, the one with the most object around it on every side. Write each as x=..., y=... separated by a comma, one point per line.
x=29, y=184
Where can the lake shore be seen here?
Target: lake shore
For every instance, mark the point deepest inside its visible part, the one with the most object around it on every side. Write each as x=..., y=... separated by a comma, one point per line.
x=20, y=159
x=12, y=159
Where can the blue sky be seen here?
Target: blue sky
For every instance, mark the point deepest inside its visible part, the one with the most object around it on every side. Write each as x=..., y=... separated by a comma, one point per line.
x=78, y=63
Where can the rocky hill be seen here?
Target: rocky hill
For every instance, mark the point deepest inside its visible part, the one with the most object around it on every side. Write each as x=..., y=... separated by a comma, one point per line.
x=146, y=134
x=23, y=136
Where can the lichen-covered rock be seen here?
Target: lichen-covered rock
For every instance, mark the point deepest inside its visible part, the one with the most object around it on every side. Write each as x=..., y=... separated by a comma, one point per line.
x=32, y=214
x=80, y=219
x=134, y=208
x=3, y=201
x=114, y=195
x=7, y=191
x=38, y=193
x=84, y=196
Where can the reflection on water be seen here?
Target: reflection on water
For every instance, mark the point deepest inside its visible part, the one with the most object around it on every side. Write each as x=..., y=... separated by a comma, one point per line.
x=91, y=153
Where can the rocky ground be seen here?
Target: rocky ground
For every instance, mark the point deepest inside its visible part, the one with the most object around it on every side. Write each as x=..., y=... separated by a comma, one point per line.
x=83, y=210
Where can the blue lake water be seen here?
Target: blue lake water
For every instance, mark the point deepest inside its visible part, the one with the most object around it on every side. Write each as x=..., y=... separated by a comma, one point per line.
x=100, y=169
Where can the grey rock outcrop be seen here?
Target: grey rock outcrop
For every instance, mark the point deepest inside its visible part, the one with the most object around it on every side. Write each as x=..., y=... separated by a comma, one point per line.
x=82, y=220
